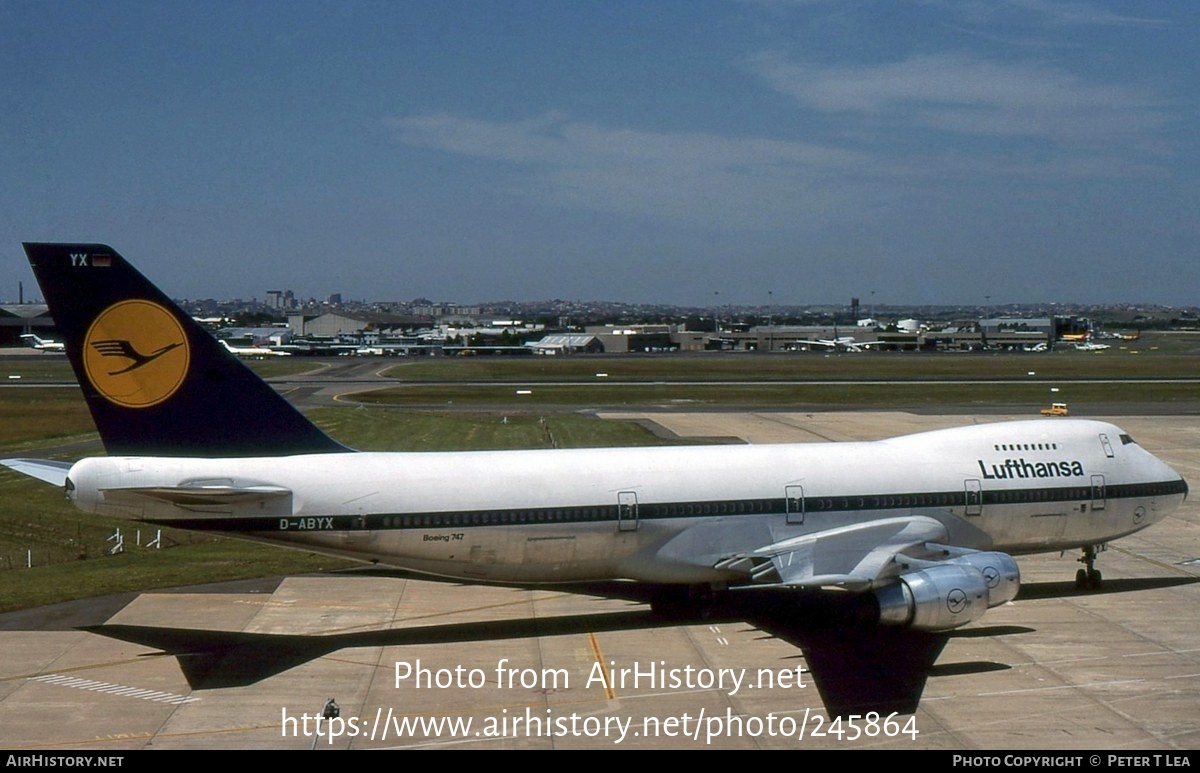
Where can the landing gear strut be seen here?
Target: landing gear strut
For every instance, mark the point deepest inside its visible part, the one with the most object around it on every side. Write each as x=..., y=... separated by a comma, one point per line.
x=1089, y=578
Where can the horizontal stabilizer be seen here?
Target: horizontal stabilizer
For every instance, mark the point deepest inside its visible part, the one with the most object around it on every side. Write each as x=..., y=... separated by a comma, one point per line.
x=45, y=470
x=185, y=496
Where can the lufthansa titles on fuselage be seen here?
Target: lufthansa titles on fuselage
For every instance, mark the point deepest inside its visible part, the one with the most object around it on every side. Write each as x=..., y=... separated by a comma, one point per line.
x=1019, y=468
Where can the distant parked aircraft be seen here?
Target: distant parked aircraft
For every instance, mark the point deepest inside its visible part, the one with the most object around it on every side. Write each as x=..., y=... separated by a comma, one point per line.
x=254, y=351
x=841, y=344
x=41, y=344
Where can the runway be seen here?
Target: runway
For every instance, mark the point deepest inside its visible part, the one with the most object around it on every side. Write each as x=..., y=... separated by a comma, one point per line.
x=416, y=663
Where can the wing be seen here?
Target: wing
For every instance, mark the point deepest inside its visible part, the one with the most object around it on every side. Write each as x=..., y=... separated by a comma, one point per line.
x=854, y=557
x=917, y=581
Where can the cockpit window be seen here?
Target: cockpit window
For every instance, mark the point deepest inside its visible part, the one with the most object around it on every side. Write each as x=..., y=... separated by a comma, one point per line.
x=1127, y=440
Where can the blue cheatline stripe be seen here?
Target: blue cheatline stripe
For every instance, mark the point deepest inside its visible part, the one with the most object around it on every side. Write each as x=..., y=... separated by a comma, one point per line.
x=650, y=511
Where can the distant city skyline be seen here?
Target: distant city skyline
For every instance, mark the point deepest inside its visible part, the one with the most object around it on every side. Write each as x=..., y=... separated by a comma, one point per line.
x=266, y=301
x=769, y=151
x=600, y=308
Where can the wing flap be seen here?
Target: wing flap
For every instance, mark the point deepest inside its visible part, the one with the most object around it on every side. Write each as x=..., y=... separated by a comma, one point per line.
x=853, y=557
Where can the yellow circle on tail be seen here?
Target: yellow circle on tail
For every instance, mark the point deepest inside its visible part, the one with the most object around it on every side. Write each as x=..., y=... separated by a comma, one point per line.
x=136, y=354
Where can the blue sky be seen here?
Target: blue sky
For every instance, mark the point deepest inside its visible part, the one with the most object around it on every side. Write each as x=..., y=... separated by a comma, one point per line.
x=793, y=152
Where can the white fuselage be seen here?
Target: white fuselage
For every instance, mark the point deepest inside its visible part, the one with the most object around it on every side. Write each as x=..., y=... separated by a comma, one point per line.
x=661, y=514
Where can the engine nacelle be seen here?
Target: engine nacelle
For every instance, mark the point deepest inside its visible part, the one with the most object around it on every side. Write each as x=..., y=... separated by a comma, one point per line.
x=934, y=599
x=999, y=570
x=951, y=593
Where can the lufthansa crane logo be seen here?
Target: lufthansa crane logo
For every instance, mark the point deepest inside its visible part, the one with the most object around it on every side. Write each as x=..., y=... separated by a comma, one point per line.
x=136, y=354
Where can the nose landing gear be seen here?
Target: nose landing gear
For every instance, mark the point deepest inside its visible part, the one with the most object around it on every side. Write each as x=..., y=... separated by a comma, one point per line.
x=1089, y=578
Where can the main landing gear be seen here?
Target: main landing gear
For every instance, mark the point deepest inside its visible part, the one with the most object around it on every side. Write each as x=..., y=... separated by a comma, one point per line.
x=1089, y=578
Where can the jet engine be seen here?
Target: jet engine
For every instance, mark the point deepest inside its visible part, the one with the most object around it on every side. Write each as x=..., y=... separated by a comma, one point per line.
x=950, y=593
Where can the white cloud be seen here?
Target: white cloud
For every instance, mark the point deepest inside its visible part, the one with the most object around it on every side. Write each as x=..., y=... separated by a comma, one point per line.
x=924, y=128
x=696, y=179
x=968, y=95
x=1078, y=13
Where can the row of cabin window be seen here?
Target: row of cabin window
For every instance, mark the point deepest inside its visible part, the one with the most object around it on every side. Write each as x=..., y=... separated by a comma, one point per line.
x=755, y=506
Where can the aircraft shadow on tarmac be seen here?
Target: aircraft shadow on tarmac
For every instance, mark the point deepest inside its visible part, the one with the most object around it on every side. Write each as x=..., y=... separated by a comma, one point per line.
x=855, y=671
x=1058, y=590
x=857, y=668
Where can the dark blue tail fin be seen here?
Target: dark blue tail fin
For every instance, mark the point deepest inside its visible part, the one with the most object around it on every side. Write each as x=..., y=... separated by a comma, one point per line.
x=156, y=382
